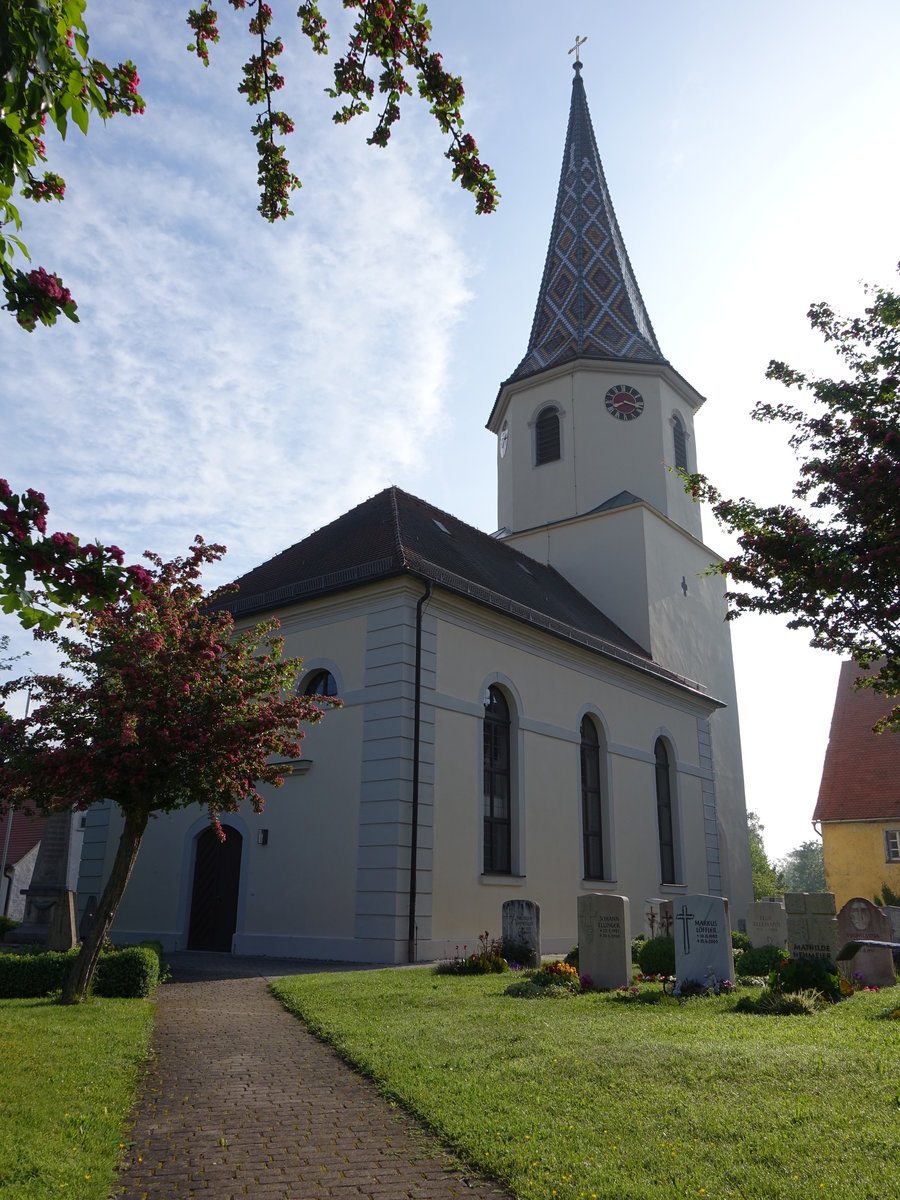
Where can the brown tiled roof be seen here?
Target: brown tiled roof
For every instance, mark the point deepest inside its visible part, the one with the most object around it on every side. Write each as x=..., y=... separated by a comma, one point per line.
x=24, y=835
x=861, y=776
x=394, y=533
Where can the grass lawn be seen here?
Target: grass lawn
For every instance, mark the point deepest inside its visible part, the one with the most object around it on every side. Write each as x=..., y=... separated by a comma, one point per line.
x=67, y=1084
x=592, y=1097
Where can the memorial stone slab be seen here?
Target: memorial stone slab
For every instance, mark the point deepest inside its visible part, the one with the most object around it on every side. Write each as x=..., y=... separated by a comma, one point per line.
x=703, y=952
x=522, y=931
x=892, y=912
x=766, y=923
x=859, y=918
x=48, y=885
x=658, y=918
x=811, y=925
x=604, y=939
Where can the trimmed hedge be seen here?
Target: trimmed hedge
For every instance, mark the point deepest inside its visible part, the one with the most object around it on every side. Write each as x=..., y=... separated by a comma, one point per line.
x=132, y=972
x=758, y=960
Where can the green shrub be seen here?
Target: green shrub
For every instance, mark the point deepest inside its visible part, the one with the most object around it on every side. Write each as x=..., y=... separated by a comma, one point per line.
x=782, y=1004
x=30, y=974
x=657, y=956
x=758, y=960
x=130, y=972
x=740, y=941
x=7, y=925
x=572, y=957
x=636, y=944
x=806, y=974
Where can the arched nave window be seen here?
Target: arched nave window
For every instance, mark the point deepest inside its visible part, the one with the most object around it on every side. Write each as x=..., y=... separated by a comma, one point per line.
x=320, y=683
x=665, y=814
x=593, y=768
x=497, y=785
x=546, y=436
x=680, y=439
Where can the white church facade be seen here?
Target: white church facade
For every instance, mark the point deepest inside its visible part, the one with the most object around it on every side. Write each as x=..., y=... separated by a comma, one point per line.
x=536, y=714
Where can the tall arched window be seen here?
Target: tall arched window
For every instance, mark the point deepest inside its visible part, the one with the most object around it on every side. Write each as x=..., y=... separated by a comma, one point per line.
x=546, y=436
x=664, y=814
x=320, y=683
x=680, y=439
x=497, y=785
x=591, y=801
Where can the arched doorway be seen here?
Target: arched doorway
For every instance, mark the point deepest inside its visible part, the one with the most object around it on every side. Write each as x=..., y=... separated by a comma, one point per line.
x=217, y=873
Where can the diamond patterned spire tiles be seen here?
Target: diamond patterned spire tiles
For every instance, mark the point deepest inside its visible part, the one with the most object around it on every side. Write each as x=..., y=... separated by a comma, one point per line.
x=589, y=304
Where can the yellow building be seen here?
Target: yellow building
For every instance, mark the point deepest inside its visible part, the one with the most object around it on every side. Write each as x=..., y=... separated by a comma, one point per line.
x=859, y=797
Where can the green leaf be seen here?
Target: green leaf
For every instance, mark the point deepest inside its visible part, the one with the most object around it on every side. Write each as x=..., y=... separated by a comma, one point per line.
x=81, y=44
x=80, y=115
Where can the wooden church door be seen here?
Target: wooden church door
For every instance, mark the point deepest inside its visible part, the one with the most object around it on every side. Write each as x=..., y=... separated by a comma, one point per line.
x=217, y=873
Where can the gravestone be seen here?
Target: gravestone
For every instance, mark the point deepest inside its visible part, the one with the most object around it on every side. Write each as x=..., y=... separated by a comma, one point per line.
x=522, y=931
x=811, y=925
x=62, y=934
x=658, y=918
x=48, y=885
x=860, y=918
x=604, y=939
x=766, y=923
x=703, y=952
x=892, y=912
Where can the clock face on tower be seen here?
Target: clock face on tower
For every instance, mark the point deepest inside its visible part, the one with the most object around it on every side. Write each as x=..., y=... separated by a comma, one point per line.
x=624, y=402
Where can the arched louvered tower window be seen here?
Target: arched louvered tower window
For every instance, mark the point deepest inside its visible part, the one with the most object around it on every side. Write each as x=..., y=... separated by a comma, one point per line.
x=546, y=436
x=680, y=439
x=497, y=785
x=591, y=800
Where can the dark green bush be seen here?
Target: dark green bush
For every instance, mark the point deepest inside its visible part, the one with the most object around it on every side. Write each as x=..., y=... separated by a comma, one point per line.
x=657, y=956
x=572, y=957
x=7, y=925
x=130, y=972
x=29, y=974
x=806, y=975
x=740, y=941
x=636, y=944
x=758, y=960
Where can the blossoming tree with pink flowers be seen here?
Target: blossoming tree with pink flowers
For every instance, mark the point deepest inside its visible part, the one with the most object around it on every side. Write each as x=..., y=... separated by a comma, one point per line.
x=47, y=76
x=162, y=706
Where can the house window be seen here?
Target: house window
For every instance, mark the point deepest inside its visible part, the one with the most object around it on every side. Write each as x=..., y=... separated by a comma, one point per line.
x=320, y=683
x=497, y=785
x=892, y=845
x=680, y=439
x=665, y=814
x=546, y=436
x=591, y=801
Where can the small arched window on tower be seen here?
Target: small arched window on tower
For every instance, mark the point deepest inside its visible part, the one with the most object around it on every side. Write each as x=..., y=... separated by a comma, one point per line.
x=680, y=439
x=546, y=436
x=320, y=683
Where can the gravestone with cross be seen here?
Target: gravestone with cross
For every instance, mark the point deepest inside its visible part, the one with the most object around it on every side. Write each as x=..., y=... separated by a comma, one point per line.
x=703, y=953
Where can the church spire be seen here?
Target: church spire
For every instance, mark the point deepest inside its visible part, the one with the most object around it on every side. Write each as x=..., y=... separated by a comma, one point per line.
x=589, y=304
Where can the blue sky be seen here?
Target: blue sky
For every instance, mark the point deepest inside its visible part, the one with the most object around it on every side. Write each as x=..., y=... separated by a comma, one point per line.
x=252, y=382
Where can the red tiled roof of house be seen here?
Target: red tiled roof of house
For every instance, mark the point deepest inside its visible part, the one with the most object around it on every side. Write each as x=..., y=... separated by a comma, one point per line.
x=861, y=776
x=25, y=834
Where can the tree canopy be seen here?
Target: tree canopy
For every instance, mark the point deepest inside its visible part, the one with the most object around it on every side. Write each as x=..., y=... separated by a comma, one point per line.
x=832, y=561
x=803, y=868
x=766, y=879
x=47, y=73
x=161, y=706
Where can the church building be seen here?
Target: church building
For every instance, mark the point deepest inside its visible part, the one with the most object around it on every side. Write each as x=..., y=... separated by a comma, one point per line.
x=535, y=714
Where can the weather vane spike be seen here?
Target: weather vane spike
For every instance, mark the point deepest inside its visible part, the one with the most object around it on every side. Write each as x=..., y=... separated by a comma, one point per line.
x=576, y=49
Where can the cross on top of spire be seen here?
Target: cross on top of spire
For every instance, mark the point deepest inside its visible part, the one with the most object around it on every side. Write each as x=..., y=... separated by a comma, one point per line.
x=576, y=50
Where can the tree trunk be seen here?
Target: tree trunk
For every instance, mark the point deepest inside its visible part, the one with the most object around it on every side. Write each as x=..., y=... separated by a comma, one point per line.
x=79, y=978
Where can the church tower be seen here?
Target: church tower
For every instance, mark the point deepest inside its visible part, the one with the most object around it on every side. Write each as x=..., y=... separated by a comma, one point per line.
x=589, y=426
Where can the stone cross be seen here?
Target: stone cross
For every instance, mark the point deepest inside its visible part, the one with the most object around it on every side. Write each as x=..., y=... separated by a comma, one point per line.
x=576, y=49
